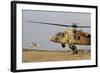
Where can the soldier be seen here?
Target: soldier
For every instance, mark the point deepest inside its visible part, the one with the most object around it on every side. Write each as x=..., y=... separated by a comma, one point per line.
x=74, y=48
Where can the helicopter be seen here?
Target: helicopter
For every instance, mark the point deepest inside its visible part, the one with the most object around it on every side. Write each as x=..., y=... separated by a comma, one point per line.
x=72, y=37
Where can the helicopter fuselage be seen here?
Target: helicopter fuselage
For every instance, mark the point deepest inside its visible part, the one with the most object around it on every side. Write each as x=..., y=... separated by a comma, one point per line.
x=75, y=37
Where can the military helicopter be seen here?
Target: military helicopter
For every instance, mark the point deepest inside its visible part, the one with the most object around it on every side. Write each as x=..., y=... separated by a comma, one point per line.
x=72, y=36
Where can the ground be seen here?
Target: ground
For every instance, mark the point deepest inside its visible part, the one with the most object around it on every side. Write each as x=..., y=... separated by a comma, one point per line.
x=42, y=55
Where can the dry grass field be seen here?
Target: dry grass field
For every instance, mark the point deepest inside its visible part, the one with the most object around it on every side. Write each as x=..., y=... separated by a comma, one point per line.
x=42, y=56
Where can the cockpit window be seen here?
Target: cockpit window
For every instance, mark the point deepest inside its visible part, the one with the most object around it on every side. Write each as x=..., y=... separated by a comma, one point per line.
x=62, y=34
x=58, y=34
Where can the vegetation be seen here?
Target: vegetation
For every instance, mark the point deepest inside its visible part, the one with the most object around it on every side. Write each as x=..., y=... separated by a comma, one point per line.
x=31, y=55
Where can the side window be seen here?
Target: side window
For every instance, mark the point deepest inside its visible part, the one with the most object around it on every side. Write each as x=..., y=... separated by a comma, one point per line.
x=58, y=34
x=76, y=37
x=89, y=36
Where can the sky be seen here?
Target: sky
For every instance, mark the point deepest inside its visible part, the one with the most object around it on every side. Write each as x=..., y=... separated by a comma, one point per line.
x=40, y=33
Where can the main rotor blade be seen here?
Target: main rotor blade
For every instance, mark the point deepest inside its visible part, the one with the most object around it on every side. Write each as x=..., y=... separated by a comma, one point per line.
x=74, y=26
x=50, y=23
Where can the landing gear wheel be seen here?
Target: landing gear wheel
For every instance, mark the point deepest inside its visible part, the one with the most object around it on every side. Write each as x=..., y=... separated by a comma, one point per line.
x=63, y=45
x=73, y=48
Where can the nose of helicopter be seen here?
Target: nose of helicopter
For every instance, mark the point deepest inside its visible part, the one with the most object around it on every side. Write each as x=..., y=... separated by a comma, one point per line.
x=53, y=38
